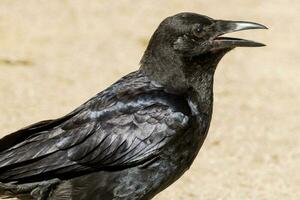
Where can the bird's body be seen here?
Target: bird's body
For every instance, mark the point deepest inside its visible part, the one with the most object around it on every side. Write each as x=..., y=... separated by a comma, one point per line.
x=130, y=141
x=164, y=125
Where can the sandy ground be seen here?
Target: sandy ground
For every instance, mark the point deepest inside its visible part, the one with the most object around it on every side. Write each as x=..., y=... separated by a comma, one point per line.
x=56, y=54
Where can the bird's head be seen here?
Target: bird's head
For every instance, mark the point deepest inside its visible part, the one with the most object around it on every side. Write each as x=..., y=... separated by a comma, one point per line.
x=188, y=42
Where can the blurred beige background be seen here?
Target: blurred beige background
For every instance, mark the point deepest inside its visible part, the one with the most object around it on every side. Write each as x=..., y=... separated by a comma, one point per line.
x=54, y=55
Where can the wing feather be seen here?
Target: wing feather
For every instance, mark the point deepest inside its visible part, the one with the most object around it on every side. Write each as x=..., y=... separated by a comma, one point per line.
x=117, y=129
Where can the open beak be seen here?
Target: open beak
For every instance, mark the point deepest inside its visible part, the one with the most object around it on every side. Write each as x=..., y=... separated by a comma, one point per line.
x=223, y=27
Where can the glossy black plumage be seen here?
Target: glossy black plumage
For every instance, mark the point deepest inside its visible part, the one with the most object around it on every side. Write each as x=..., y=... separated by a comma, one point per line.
x=136, y=137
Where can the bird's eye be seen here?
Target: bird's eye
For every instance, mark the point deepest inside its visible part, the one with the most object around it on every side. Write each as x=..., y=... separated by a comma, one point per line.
x=197, y=30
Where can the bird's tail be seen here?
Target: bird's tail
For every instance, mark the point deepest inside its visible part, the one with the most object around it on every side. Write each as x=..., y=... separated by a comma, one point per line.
x=12, y=190
x=6, y=190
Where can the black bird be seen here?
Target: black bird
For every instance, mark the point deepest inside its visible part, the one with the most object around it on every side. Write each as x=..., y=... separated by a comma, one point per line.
x=138, y=136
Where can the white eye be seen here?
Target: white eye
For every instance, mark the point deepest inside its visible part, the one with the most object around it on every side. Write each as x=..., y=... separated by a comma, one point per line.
x=197, y=30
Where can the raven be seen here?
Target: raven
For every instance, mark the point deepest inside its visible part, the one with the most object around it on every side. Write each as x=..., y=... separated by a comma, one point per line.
x=138, y=136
